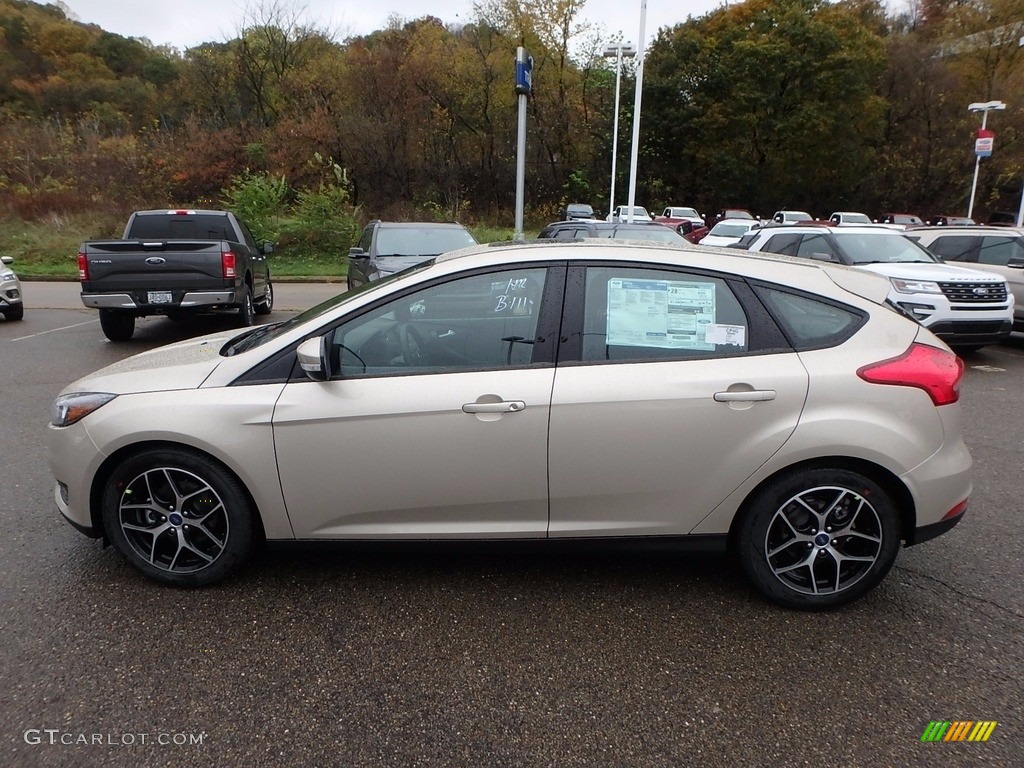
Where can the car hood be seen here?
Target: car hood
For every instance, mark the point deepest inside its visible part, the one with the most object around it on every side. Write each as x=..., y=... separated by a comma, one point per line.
x=932, y=271
x=183, y=365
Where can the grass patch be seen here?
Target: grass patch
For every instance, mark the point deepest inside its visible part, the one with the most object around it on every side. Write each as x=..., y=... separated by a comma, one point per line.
x=49, y=249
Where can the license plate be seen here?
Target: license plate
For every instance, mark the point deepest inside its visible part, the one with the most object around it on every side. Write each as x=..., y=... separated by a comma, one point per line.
x=160, y=297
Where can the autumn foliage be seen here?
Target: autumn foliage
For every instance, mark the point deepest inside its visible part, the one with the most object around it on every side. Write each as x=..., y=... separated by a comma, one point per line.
x=764, y=104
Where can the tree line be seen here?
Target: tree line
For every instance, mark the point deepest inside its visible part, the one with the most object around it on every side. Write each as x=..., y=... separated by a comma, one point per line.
x=764, y=104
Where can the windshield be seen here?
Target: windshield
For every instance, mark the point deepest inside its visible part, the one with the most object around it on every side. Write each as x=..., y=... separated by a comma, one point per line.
x=656, y=234
x=855, y=218
x=257, y=337
x=879, y=248
x=426, y=241
x=729, y=229
x=683, y=213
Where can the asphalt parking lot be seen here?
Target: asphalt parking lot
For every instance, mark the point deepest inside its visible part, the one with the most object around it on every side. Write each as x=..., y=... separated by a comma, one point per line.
x=461, y=656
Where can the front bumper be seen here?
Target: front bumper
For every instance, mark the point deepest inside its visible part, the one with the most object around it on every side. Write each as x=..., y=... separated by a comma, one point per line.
x=955, y=332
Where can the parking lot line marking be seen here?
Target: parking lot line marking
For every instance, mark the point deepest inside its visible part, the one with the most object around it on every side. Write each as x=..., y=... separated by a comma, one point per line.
x=54, y=330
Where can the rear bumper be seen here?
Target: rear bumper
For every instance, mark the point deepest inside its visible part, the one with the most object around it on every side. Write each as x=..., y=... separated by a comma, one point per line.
x=188, y=300
x=928, y=532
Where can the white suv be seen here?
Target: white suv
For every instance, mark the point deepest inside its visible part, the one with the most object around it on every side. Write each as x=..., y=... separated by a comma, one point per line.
x=966, y=308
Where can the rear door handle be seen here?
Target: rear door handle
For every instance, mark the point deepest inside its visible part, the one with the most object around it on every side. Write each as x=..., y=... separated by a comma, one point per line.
x=752, y=396
x=509, y=406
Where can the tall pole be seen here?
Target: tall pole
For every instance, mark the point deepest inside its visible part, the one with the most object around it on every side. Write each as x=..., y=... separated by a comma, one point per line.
x=634, y=150
x=524, y=85
x=977, y=165
x=615, y=128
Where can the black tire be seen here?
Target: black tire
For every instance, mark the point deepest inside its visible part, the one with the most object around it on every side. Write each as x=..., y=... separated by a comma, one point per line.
x=117, y=326
x=818, y=538
x=266, y=304
x=246, y=310
x=178, y=517
x=15, y=312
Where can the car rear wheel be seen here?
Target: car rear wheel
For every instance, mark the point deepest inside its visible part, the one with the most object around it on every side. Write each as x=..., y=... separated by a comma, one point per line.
x=181, y=519
x=117, y=326
x=246, y=311
x=818, y=538
x=266, y=304
x=15, y=312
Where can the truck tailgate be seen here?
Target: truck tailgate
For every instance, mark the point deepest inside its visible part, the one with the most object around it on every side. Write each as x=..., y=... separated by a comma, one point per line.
x=125, y=265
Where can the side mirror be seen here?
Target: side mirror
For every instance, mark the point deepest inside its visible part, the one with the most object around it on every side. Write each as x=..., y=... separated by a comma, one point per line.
x=7, y=259
x=823, y=257
x=780, y=218
x=266, y=248
x=312, y=357
x=1016, y=262
x=357, y=253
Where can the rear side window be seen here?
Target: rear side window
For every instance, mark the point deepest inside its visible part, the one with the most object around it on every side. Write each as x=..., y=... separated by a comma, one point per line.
x=633, y=314
x=785, y=244
x=811, y=322
x=953, y=247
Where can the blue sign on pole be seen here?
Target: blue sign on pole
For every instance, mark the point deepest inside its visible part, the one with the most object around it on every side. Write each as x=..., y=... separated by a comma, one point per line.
x=524, y=72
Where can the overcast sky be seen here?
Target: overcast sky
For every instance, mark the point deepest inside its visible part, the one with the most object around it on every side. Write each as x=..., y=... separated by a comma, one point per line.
x=184, y=23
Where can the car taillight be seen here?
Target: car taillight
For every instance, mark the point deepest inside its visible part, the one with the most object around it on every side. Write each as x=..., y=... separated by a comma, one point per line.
x=227, y=263
x=936, y=371
x=83, y=267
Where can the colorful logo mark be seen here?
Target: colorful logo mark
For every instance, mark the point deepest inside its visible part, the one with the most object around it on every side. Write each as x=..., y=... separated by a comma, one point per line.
x=958, y=730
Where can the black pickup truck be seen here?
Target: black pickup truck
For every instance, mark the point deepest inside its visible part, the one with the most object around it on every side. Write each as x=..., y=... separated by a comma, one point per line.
x=175, y=263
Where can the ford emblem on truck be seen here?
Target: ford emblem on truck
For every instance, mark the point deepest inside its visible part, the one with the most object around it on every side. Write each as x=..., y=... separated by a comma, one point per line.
x=154, y=260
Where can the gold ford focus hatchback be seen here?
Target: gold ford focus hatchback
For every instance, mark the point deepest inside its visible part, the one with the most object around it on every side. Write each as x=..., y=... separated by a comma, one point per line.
x=778, y=409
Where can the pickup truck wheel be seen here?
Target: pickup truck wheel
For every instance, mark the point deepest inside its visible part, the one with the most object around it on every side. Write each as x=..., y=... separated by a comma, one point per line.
x=246, y=311
x=266, y=305
x=15, y=313
x=117, y=326
x=178, y=517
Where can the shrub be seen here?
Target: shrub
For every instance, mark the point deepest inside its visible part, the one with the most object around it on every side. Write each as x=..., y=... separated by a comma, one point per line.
x=258, y=199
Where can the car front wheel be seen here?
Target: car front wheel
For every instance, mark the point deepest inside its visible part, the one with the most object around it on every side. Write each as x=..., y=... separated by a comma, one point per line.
x=818, y=538
x=178, y=517
x=15, y=312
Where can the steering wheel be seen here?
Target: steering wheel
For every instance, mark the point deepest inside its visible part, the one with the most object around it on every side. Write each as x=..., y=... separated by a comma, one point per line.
x=411, y=342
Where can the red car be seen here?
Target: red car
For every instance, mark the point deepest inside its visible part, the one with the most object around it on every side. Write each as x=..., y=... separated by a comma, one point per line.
x=686, y=221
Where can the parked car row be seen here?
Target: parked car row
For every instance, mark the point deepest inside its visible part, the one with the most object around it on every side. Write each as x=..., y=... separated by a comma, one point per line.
x=966, y=308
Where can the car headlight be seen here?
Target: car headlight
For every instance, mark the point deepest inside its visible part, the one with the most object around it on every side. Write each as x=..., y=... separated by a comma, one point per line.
x=67, y=409
x=7, y=275
x=915, y=286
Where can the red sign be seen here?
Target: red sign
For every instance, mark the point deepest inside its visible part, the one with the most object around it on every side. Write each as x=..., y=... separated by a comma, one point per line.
x=984, y=143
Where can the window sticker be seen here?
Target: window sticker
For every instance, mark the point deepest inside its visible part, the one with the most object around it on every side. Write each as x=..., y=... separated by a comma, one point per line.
x=734, y=335
x=670, y=314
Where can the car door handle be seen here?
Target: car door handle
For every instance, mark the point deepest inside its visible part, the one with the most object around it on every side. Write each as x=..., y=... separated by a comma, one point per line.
x=751, y=396
x=509, y=406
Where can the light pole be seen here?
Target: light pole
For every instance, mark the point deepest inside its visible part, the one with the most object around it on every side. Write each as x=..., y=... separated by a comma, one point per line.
x=634, y=150
x=616, y=51
x=984, y=107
